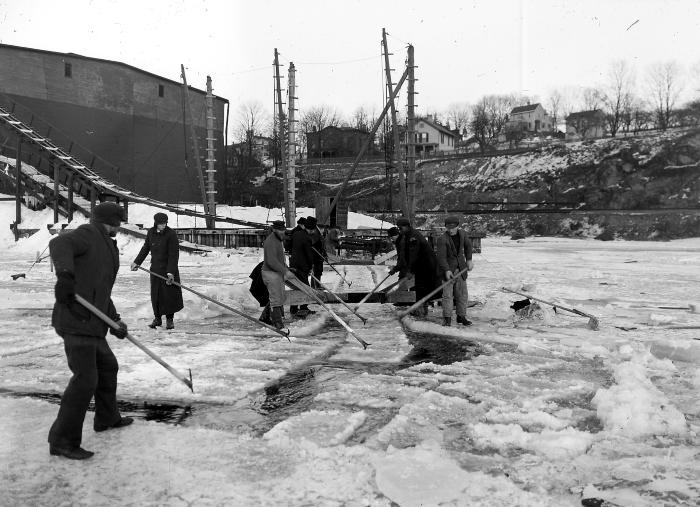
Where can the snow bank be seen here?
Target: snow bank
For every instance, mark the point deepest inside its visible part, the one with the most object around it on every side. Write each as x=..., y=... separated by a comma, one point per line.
x=635, y=406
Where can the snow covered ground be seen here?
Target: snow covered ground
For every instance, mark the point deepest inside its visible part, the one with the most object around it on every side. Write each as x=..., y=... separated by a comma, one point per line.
x=534, y=411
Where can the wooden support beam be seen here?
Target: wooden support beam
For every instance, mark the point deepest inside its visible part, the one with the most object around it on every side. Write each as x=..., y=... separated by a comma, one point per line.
x=56, y=187
x=69, y=183
x=18, y=188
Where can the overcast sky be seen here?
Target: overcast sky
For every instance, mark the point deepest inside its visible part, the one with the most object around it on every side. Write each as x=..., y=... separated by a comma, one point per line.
x=464, y=49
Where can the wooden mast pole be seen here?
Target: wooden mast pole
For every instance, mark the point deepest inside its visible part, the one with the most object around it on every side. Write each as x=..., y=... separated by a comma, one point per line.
x=396, y=158
x=211, y=154
x=411, y=139
x=288, y=218
x=291, y=145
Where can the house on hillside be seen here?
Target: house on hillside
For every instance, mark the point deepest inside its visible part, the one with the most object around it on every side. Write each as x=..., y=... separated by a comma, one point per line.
x=431, y=136
x=585, y=124
x=529, y=119
x=334, y=142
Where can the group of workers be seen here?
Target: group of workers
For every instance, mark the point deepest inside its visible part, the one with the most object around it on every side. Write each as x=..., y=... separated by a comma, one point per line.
x=428, y=268
x=87, y=261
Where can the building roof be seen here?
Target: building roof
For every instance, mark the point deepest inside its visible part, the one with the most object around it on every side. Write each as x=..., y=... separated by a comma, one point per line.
x=436, y=126
x=585, y=114
x=112, y=62
x=524, y=109
x=344, y=129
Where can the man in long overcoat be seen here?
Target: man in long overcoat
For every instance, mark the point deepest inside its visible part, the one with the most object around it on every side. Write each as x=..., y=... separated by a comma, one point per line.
x=301, y=263
x=416, y=256
x=454, y=254
x=166, y=298
x=86, y=261
x=274, y=272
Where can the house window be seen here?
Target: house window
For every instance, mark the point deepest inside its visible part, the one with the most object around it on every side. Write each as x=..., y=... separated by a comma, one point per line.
x=426, y=137
x=67, y=69
x=161, y=90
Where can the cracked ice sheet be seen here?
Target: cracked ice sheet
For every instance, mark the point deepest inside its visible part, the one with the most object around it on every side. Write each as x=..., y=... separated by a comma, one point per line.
x=155, y=464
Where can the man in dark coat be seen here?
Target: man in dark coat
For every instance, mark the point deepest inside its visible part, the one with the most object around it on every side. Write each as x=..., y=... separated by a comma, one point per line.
x=454, y=254
x=166, y=298
x=416, y=256
x=301, y=263
x=86, y=261
x=318, y=249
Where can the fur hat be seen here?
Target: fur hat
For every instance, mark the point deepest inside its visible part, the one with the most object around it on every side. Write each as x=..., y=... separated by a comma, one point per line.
x=310, y=222
x=279, y=225
x=393, y=231
x=452, y=219
x=403, y=221
x=109, y=213
x=301, y=221
x=160, y=218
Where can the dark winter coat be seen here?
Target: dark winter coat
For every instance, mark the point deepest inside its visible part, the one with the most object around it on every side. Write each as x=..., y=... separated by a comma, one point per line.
x=257, y=287
x=317, y=245
x=302, y=258
x=91, y=255
x=451, y=258
x=415, y=255
x=165, y=253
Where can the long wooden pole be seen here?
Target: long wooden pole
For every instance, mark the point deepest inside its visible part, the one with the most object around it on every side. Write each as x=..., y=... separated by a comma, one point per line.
x=411, y=138
x=310, y=292
x=153, y=355
x=56, y=194
x=364, y=148
x=425, y=298
x=396, y=155
x=211, y=156
x=280, y=133
x=204, y=296
x=337, y=298
x=291, y=145
x=362, y=301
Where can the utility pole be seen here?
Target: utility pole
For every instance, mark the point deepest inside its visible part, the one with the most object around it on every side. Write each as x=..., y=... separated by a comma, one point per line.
x=291, y=148
x=285, y=165
x=411, y=138
x=18, y=188
x=195, y=145
x=210, y=160
x=396, y=158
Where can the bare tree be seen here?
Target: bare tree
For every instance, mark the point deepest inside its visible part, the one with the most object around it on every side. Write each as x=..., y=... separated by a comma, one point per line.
x=617, y=93
x=489, y=118
x=457, y=115
x=360, y=119
x=319, y=117
x=554, y=104
x=664, y=82
x=252, y=120
x=590, y=99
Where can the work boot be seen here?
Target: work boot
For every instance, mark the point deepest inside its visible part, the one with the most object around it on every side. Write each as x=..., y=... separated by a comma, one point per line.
x=276, y=317
x=265, y=315
x=124, y=421
x=169, y=324
x=302, y=313
x=447, y=321
x=461, y=319
x=70, y=452
x=156, y=322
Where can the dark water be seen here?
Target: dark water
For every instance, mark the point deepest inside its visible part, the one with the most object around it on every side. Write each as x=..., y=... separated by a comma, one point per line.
x=293, y=393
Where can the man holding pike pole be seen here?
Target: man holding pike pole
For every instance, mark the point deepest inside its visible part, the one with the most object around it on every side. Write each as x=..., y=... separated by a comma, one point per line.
x=86, y=261
x=274, y=271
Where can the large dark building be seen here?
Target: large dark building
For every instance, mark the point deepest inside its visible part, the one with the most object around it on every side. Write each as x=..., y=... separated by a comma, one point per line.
x=332, y=142
x=132, y=119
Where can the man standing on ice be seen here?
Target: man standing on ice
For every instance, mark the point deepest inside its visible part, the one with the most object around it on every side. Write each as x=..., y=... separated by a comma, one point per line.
x=418, y=258
x=86, y=261
x=301, y=261
x=454, y=253
x=275, y=271
x=166, y=298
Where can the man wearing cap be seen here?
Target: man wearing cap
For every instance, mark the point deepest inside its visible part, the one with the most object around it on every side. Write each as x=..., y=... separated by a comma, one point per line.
x=274, y=272
x=86, y=261
x=416, y=256
x=166, y=298
x=301, y=262
x=454, y=253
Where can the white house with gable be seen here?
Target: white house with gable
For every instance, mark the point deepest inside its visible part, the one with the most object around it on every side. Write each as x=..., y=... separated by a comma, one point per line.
x=431, y=136
x=530, y=118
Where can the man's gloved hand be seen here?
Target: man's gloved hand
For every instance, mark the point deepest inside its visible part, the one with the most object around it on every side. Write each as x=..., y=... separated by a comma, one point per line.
x=170, y=280
x=448, y=275
x=470, y=265
x=65, y=288
x=134, y=266
x=121, y=332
